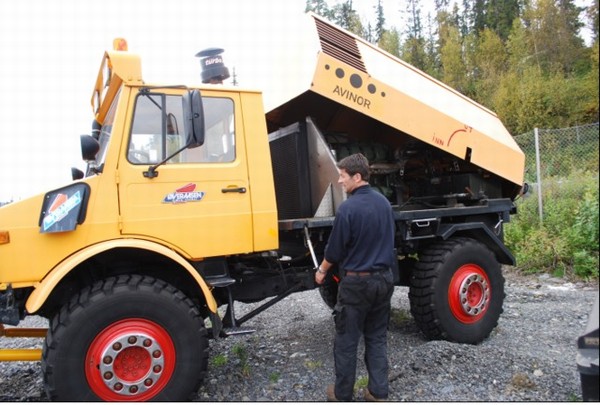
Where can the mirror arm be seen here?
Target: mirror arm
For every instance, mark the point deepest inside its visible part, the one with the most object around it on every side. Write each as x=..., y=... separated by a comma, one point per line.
x=152, y=173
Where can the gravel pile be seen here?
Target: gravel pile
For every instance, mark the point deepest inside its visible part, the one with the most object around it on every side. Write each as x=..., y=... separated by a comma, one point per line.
x=530, y=356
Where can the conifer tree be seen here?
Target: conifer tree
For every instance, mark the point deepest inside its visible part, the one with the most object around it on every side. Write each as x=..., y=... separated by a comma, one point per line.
x=380, y=21
x=345, y=16
x=413, y=48
x=318, y=7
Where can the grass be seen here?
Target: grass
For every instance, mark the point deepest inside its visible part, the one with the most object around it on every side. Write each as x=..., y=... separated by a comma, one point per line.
x=522, y=381
x=361, y=383
x=274, y=377
x=313, y=365
x=242, y=355
x=219, y=360
x=399, y=316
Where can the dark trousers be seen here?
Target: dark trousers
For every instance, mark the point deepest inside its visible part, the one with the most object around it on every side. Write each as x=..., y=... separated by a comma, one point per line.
x=363, y=308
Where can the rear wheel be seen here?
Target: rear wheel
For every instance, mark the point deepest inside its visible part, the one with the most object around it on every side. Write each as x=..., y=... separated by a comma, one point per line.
x=456, y=291
x=130, y=338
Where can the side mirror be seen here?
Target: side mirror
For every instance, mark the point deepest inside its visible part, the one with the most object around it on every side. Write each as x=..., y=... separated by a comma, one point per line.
x=193, y=115
x=89, y=147
x=76, y=174
x=96, y=129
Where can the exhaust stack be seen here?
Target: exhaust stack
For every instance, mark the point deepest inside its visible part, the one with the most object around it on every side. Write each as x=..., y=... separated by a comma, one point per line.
x=214, y=70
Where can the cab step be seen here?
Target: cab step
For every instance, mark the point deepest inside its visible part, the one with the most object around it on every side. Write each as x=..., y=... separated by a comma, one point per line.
x=221, y=281
x=237, y=331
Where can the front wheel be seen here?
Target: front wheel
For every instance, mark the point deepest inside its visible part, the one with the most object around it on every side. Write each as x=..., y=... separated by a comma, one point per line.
x=127, y=338
x=456, y=291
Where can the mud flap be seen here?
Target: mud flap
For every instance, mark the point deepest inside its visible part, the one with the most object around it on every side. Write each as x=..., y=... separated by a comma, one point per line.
x=217, y=325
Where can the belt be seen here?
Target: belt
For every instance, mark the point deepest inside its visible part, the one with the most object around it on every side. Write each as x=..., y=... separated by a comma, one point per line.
x=362, y=273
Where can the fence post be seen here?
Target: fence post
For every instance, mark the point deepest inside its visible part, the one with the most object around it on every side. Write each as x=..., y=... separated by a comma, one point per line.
x=538, y=173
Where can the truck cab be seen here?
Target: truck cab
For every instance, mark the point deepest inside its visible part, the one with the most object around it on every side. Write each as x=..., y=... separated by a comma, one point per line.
x=175, y=176
x=145, y=182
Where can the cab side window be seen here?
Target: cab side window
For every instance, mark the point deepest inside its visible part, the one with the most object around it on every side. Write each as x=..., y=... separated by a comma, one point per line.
x=157, y=131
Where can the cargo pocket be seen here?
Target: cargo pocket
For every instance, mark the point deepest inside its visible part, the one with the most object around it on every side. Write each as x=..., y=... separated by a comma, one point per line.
x=339, y=318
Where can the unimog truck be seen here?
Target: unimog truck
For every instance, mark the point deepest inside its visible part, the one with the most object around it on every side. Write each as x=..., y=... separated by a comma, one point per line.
x=194, y=199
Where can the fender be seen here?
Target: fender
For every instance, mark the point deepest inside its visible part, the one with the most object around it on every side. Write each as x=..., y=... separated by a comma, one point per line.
x=47, y=285
x=486, y=236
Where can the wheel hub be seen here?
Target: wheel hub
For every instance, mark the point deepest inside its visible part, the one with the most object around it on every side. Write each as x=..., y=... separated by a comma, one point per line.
x=131, y=364
x=469, y=294
x=130, y=360
x=474, y=294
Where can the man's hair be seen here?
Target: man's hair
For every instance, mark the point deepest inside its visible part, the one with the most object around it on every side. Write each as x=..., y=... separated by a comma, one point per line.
x=356, y=163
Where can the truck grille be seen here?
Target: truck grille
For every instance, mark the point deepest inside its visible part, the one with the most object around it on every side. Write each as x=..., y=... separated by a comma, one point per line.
x=340, y=45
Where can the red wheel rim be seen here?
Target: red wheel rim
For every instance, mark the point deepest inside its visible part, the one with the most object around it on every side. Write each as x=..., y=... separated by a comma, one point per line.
x=130, y=360
x=469, y=293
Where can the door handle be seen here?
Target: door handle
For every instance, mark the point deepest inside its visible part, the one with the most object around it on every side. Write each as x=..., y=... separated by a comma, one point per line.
x=240, y=190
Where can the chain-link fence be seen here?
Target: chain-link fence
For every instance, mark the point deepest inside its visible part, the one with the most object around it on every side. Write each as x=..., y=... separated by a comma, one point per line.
x=556, y=154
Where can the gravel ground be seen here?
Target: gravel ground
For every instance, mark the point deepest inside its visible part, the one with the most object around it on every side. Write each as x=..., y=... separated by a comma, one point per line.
x=530, y=356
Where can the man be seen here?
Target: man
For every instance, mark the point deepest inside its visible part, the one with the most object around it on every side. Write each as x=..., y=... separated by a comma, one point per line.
x=361, y=244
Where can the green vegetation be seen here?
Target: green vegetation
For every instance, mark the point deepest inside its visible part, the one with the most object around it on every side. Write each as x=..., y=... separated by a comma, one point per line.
x=274, y=377
x=399, y=316
x=219, y=360
x=522, y=381
x=566, y=242
x=361, y=383
x=242, y=355
x=561, y=151
x=313, y=364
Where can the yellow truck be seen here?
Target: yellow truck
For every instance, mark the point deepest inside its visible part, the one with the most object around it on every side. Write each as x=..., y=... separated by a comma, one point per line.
x=195, y=198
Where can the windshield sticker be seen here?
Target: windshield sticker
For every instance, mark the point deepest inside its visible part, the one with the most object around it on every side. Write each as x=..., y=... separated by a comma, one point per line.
x=184, y=194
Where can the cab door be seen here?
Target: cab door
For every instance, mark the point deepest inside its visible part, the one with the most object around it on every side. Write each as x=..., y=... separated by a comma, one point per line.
x=199, y=200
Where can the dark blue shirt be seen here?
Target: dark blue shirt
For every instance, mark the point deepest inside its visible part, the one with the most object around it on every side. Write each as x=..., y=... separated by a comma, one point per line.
x=362, y=237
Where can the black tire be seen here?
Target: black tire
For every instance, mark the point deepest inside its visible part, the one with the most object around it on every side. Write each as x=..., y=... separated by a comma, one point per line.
x=457, y=291
x=129, y=338
x=589, y=387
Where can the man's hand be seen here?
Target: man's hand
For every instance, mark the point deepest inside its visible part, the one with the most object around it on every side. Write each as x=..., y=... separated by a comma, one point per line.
x=320, y=275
